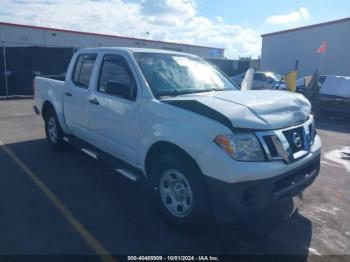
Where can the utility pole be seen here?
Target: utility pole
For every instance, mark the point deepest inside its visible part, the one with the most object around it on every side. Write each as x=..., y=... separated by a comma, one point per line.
x=5, y=69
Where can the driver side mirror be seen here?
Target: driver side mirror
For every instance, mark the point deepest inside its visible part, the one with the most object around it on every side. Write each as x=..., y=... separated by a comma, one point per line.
x=118, y=89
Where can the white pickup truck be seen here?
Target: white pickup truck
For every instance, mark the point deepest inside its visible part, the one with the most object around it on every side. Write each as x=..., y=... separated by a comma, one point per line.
x=171, y=118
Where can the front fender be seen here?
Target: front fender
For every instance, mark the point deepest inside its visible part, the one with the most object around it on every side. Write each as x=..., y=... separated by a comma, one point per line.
x=188, y=138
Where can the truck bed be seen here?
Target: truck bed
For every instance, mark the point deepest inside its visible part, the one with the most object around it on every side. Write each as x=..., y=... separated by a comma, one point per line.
x=48, y=89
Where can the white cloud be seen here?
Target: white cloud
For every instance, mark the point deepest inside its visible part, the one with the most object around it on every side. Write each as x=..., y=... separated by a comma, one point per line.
x=169, y=12
x=165, y=20
x=293, y=16
x=185, y=8
x=220, y=19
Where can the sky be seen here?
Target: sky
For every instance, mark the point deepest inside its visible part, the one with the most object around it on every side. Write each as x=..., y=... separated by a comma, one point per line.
x=234, y=25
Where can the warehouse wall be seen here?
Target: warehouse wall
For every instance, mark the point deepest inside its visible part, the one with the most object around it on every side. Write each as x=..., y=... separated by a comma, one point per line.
x=279, y=51
x=22, y=36
x=42, y=51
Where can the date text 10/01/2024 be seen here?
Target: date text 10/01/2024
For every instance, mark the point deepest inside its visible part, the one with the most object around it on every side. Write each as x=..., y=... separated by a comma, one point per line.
x=173, y=258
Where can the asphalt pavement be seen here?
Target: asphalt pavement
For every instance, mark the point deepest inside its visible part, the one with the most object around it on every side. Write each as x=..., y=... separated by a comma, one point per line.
x=69, y=204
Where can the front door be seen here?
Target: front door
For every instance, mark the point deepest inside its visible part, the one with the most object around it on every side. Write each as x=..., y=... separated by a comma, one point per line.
x=114, y=110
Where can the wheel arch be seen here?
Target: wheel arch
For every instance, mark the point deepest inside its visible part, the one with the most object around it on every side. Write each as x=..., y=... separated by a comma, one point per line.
x=46, y=106
x=49, y=104
x=161, y=148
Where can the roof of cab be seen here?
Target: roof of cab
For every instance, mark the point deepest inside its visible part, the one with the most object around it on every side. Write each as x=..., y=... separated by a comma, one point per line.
x=134, y=50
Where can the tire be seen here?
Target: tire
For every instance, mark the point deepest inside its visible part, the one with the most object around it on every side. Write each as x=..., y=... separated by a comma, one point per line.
x=53, y=130
x=180, y=192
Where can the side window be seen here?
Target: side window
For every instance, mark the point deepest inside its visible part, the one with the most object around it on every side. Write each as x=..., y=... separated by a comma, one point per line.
x=83, y=69
x=259, y=77
x=77, y=69
x=116, y=77
x=269, y=79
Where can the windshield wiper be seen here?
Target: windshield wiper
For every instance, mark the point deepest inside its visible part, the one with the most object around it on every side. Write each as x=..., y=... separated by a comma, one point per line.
x=176, y=92
x=222, y=89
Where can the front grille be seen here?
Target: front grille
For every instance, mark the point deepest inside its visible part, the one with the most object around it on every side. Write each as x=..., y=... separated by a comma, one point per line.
x=296, y=147
x=288, y=144
x=272, y=148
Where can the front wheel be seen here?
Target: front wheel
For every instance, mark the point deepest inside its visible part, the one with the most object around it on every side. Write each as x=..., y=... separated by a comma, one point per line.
x=180, y=191
x=176, y=193
x=53, y=130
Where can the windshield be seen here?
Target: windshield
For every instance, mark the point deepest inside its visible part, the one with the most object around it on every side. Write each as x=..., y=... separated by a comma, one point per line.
x=274, y=76
x=172, y=74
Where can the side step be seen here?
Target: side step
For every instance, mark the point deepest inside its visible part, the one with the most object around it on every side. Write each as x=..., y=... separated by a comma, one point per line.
x=116, y=164
x=89, y=152
x=128, y=174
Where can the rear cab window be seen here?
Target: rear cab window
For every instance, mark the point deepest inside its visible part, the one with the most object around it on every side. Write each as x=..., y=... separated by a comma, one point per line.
x=83, y=69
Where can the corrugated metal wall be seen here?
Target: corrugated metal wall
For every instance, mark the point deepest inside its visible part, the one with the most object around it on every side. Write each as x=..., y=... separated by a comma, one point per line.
x=21, y=36
x=279, y=51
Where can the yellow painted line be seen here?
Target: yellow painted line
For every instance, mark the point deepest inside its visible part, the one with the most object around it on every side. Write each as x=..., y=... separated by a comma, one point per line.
x=79, y=227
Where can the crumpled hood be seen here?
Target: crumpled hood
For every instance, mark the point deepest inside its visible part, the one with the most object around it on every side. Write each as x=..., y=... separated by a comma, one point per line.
x=256, y=109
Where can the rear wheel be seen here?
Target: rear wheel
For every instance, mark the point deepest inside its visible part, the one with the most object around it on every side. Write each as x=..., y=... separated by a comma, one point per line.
x=180, y=191
x=53, y=130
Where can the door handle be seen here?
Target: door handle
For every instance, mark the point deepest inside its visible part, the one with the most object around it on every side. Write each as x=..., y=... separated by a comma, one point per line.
x=68, y=94
x=94, y=101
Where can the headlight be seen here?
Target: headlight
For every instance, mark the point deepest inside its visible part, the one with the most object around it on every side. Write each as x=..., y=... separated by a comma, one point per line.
x=241, y=146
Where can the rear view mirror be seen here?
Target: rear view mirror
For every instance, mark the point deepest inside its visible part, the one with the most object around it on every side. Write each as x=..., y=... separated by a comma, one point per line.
x=117, y=88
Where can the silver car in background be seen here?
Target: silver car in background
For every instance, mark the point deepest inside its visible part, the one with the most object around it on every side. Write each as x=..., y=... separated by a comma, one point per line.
x=263, y=81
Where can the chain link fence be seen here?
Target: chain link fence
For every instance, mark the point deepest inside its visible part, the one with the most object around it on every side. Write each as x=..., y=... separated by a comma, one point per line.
x=19, y=65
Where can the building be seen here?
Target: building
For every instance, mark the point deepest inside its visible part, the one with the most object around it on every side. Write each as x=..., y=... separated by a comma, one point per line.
x=280, y=50
x=29, y=51
x=24, y=35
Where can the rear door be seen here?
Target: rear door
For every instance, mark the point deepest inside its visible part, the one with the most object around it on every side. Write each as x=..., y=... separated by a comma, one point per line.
x=76, y=96
x=115, y=119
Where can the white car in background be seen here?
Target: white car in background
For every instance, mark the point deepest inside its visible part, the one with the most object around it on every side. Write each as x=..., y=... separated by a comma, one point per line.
x=263, y=81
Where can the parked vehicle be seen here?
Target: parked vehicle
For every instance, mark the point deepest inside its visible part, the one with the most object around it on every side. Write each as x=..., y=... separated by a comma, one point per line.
x=333, y=98
x=263, y=80
x=302, y=82
x=205, y=147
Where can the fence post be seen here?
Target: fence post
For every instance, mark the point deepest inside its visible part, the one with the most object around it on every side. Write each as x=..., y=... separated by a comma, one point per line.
x=5, y=69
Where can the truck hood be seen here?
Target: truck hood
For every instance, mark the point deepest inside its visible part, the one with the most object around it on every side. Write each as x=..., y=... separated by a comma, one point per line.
x=255, y=109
